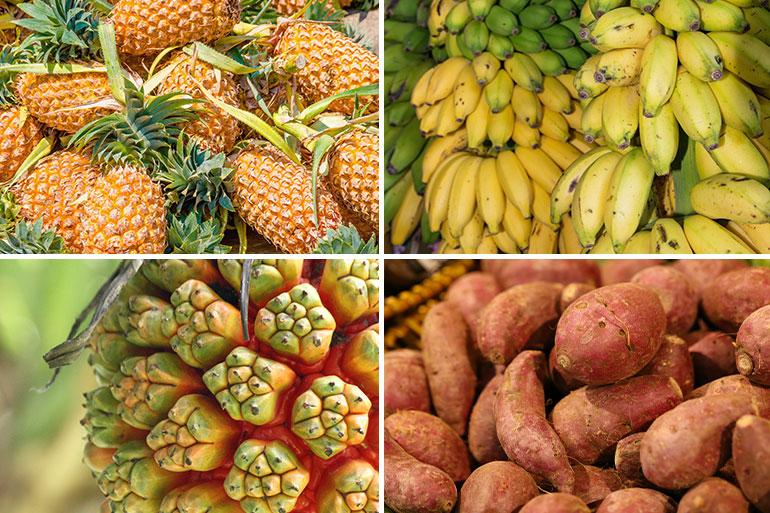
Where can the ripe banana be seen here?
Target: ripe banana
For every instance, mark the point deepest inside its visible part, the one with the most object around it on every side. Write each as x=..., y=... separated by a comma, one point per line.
x=467, y=94
x=590, y=198
x=721, y=15
x=443, y=79
x=543, y=240
x=476, y=125
x=541, y=169
x=632, y=179
x=461, y=197
x=554, y=125
x=699, y=55
x=527, y=106
x=658, y=75
x=758, y=234
x=620, y=115
x=524, y=72
x=568, y=240
x=439, y=149
x=603, y=246
x=734, y=197
x=744, y=55
x=555, y=96
x=505, y=243
x=709, y=237
x=500, y=127
x=561, y=152
x=585, y=79
x=705, y=163
x=515, y=182
x=439, y=188
x=678, y=15
x=619, y=67
x=549, y=62
x=524, y=135
x=471, y=236
x=490, y=197
x=736, y=154
x=420, y=90
x=541, y=206
x=591, y=120
x=659, y=137
x=696, y=109
x=564, y=190
x=668, y=238
x=624, y=27
x=516, y=226
x=457, y=17
x=639, y=243
x=759, y=21
x=407, y=217
x=485, y=67
x=739, y=105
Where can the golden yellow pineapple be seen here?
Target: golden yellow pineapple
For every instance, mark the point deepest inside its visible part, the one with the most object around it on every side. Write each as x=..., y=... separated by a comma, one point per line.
x=150, y=26
x=215, y=129
x=354, y=169
x=289, y=7
x=54, y=190
x=335, y=63
x=275, y=197
x=124, y=212
x=66, y=102
x=19, y=134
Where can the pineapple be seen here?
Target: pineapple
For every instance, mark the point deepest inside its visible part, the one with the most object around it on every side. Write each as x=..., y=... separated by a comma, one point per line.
x=19, y=134
x=124, y=212
x=353, y=178
x=275, y=197
x=54, y=190
x=290, y=7
x=66, y=102
x=335, y=63
x=215, y=130
x=150, y=26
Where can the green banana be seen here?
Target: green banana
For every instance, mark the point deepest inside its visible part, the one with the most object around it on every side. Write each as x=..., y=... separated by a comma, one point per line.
x=502, y=22
x=696, y=109
x=549, y=63
x=403, y=10
x=395, y=31
x=476, y=36
x=500, y=46
x=480, y=8
x=515, y=6
x=462, y=48
x=564, y=9
x=439, y=53
x=558, y=36
x=538, y=17
x=721, y=15
x=416, y=41
x=739, y=105
x=399, y=114
x=458, y=17
x=423, y=13
x=408, y=147
x=601, y=7
x=525, y=72
x=528, y=40
x=390, y=180
x=416, y=171
x=405, y=80
x=396, y=58
x=573, y=24
x=499, y=91
x=574, y=57
x=395, y=195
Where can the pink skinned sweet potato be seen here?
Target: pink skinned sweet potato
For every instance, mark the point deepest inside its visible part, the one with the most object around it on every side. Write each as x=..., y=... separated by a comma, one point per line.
x=524, y=432
x=691, y=442
x=514, y=317
x=713, y=495
x=556, y=503
x=636, y=500
x=445, y=354
x=737, y=384
x=752, y=347
x=590, y=421
x=621, y=271
x=672, y=360
x=470, y=293
x=518, y=271
x=713, y=357
x=751, y=454
x=571, y=292
x=497, y=487
x=735, y=295
x=482, y=432
x=430, y=440
x=415, y=487
x=593, y=484
x=702, y=272
x=563, y=383
x=628, y=463
x=676, y=294
x=406, y=386
x=610, y=333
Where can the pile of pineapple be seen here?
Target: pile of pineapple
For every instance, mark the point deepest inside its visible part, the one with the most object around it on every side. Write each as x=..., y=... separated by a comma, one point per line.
x=205, y=407
x=154, y=126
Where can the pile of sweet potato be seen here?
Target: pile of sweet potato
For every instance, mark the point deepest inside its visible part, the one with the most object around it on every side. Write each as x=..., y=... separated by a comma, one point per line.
x=567, y=386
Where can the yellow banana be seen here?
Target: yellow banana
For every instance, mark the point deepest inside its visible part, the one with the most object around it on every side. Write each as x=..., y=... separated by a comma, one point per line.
x=476, y=125
x=439, y=149
x=568, y=241
x=585, y=79
x=500, y=127
x=603, y=246
x=758, y=234
x=658, y=74
x=659, y=136
x=485, y=67
x=696, y=109
x=620, y=67
x=736, y=229
x=541, y=205
x=739, y=105
x=554, y=125
x=591, y=120
x=555, y=96
x=524, y=135
x=764, y=109
x=466, y=95
x=744, y=55
x=488, y=244
x=699, y=55
x=407, y=217
x=678, y=15
x=515, y=182
x=499, y=91
x=505, y=243
x=721, y=15
x=573, y=119
x=472, y=234
x=443, y=79
x=564, y=190
x=447, y=122
x=516, y=226
x=633, y=180
x=706, y=236
x=624, y=27
x=737, y=155
x=420, y=91
x=620, y=115
x=704, y=163
x=541, y=169
x=438, y=191
x=639, y=243
x=568, y=81
x=562, y=153
x=490, y=197
x=590, y=198
x=734, y=197
x=429, y=121
x=668, y=238
x=527, y=106
x=462, y=198
x=524, y=72
x=580, y=143
x=543, y=240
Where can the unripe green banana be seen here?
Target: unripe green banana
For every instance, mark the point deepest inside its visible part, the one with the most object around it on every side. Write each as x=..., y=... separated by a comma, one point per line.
x=500, y=46
x=573, y=24
x=399, y=114
x=557, y=36
x=744, y=55
x=525, y=72
x=463, y=49
x=476, y=36
x=620, y=115
x=439, y=53
x=619, y=67
x=739, y=105
x=395, y=195
x=696, y=109
x=645, y=5
x=699, y=55
x=480, y=8
x=452, y=48
x=423, y=13
x=549, y=63
x=403, y=11
x=564, y=9
x=485, y=67
x=574, y=57
x=737, y=155
x=458, y=17
x=538, y=17
x=499, y=91
x=627, y=202
x=515, y=6
x=659, y=136
x=678, y=15
x=502, y=22
x=416, y=41
x=408, y=147
x=734, y=197
x=528, y=40
x=395, y=31
x=624, y=27
x=721, y=15
x=602, y=7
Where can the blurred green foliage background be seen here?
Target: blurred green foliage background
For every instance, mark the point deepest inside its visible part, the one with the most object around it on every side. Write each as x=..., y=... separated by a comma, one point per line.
x=41, y=439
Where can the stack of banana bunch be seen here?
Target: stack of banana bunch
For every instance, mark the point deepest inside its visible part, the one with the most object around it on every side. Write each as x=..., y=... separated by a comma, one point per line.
x=671, y=68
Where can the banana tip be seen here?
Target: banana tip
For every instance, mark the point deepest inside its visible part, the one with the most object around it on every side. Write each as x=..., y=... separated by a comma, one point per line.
x=695, y=26
x=716, y=75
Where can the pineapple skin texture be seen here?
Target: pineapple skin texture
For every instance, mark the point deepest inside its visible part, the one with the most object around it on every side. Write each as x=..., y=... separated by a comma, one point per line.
x=275, y=197
x=54, y=190
x=124, y=212
x=335, y=63
x=216, y=129
x=353, y=177
x=290, y=7
x=48, y=98
x=19, y=134
x=149, y=26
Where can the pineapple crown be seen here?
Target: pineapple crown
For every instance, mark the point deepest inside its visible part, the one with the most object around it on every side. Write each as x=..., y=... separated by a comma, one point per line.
x=9, y=55
x=62, y=30
x=193, y=236
x=345, y=240
x=139, y=135
x=194, y=179
x=29, y=239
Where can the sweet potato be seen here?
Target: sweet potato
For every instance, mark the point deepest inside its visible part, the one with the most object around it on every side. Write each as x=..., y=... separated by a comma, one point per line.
x=482, y=432
x=556, y=503
x=497, y=487
x=713, y=495
x=636, y=500
x=518, y=271
x=514, y=317
x=752, y=347
x=430, y=440
x=563, y=383
x=415, y=487
x=627, y=461
x=571, y=292
x=737, y=384
x=610, y=333
x=702, y=272
x=672, y=360
x=593, y=484
x=470, y=293
x=713, y=357
x=691, y=442
x=590, y=421
x=525, y=434
x=675, y=293
x=733, y=296
x=751, y=454
x=621, y=271
x=451, y=378
x=406, y=386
